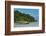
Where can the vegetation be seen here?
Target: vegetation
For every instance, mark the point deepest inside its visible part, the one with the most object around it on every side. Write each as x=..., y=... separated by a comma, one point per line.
x=18, y=16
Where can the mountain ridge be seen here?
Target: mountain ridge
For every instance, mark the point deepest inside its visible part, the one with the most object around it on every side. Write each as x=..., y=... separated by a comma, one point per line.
x=18, y=16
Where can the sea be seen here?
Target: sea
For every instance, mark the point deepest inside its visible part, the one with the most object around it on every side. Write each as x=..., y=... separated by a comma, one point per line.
x=31, y=24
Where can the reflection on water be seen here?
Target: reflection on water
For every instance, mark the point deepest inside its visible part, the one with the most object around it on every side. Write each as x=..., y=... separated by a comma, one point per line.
x=32, y=24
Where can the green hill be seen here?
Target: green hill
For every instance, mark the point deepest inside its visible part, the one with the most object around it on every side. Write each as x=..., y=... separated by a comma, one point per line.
x=18, y=16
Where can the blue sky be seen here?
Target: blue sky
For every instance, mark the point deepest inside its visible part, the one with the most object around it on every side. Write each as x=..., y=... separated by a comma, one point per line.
x=32, y=12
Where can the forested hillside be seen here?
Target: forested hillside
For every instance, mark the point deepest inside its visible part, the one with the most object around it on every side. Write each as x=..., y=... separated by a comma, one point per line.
x=18, y=16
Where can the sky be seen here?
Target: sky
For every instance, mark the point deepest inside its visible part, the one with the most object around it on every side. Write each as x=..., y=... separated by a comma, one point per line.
x=32, y=12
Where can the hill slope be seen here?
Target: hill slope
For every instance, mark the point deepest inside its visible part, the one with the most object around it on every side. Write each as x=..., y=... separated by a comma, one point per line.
x=18, y=16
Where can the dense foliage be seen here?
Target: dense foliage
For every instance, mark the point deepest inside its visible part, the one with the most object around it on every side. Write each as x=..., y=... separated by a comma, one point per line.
x=18, y=16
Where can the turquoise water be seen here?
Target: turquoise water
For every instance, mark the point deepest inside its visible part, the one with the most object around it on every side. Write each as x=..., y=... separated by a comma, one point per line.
x=32, y=24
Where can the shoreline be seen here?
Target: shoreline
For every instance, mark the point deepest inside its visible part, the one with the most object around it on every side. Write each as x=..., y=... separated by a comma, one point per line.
x=25, y=22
